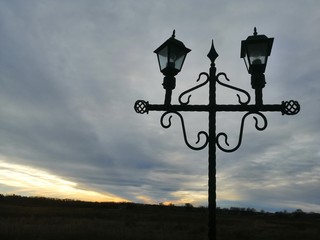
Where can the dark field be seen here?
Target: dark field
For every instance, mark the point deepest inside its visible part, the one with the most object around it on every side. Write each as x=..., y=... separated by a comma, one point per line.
x=39, y=218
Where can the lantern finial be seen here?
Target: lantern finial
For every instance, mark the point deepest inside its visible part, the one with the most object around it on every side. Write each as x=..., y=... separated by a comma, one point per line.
x=174, y=34
x=255, y=31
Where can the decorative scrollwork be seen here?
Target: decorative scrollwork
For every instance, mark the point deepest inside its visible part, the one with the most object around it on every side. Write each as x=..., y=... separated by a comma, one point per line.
x=234, y=88
x=263, y=127
x=167, y=125
x=291, y=107
x=141, y=106
x=194, y=88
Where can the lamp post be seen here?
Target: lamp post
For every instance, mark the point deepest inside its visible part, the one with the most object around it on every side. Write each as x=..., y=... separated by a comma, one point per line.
x=255, y=51
x=171, y=55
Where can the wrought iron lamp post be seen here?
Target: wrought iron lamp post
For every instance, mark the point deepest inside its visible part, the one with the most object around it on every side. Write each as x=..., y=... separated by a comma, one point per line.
x=255, y=51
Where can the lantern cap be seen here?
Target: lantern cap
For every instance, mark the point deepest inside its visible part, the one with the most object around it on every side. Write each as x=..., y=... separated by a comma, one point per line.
x=256, y=38
x=174, y=41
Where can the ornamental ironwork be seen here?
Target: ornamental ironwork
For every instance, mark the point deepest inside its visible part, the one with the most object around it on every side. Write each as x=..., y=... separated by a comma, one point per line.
x=211, y=138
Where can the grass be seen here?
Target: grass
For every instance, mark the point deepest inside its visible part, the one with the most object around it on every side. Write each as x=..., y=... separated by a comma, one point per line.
x=268, y=227
x=70, y=221
x=55, y=223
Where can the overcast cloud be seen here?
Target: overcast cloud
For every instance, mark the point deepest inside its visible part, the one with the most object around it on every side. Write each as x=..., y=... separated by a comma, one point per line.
x=70, y=72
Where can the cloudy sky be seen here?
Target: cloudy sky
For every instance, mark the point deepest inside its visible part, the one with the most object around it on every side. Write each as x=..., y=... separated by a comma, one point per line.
x=70, y=72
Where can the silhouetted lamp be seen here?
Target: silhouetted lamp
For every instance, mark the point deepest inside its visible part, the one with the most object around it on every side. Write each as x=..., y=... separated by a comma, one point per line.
x=255, y=51
x=171, y=55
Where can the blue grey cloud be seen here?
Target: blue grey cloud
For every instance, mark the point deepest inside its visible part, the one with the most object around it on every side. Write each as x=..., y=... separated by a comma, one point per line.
x=70, y=72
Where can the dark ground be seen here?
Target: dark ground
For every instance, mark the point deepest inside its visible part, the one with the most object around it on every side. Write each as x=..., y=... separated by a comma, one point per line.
x=46, y=219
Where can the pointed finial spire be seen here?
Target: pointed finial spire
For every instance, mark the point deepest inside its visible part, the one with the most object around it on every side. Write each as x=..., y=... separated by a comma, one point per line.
x=255, y=31
x=174, y=34
x=212, y=55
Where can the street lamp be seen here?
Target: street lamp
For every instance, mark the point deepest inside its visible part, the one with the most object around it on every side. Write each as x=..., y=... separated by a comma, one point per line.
x=255, y=51
x=171, y=55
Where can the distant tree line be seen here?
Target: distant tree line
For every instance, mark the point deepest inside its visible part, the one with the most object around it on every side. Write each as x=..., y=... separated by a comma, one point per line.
x=56, y=202
x=18, y=200
x=253, y=211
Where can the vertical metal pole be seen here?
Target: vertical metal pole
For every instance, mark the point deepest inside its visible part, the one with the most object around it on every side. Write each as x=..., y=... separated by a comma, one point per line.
x=258, y=82
x=169, y=83
x=258, y=93
x=167, y=98
x=212, y=225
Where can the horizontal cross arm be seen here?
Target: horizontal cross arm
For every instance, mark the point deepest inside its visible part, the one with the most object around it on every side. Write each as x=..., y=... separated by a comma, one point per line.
x=289, y=107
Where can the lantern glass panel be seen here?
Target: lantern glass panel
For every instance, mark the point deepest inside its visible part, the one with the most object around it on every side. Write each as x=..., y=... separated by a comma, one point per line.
x=177, y=57
x=257, y=53
x=163, y=58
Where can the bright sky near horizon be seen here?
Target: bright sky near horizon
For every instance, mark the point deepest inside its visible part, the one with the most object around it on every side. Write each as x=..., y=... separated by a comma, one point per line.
x=70, y=72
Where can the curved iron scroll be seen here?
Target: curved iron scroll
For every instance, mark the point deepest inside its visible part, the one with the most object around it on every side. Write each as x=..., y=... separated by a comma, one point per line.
x=265, y=123
x=167, y=125
x=234, y=88
x=194, y=88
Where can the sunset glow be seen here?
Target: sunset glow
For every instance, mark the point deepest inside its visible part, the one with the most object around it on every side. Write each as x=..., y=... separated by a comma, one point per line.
x=25, y=180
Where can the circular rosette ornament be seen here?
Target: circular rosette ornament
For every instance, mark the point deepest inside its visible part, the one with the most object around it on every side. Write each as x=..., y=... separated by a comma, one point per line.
x=141, y=106
x=291, y=107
